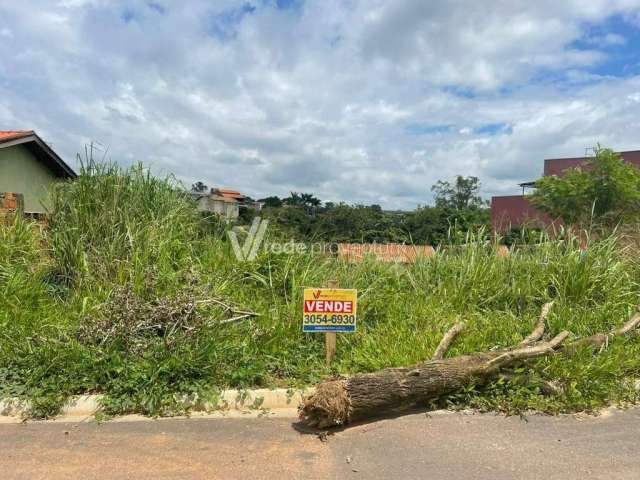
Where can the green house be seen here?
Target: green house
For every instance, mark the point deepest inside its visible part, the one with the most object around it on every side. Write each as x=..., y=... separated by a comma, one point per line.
x=28, y=167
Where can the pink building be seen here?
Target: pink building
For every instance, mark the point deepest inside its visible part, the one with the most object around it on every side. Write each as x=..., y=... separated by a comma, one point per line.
x=513, y=211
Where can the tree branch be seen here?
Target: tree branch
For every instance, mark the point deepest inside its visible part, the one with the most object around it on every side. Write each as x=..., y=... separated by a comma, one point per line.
x=539, y=330
x=446, y=341
x=632, y=324
x=601, y=340
x=537, y=350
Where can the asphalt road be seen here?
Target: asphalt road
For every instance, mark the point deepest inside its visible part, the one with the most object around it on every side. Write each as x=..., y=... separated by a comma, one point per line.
x=449, y=446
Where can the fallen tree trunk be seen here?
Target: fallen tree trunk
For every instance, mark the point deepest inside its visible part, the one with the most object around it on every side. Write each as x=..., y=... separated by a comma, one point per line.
x=343, y=400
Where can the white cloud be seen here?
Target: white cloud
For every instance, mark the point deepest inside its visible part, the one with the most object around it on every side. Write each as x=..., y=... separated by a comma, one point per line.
x=607, y=40
x=613, y=39
x=320, y=98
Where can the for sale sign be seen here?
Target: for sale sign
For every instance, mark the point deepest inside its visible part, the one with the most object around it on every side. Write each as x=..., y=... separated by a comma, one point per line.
x=329, y=310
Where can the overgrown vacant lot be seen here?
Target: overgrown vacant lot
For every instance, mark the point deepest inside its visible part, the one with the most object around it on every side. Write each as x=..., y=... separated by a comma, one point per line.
x=128, y=292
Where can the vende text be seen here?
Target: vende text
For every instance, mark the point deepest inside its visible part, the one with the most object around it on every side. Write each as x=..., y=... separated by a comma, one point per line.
x=328, y=306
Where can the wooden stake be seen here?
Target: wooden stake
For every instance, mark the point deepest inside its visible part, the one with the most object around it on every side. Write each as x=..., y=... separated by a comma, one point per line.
x=330, y=337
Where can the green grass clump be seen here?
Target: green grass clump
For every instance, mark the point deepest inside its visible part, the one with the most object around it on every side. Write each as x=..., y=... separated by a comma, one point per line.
x=115, y=226
x=126, y=292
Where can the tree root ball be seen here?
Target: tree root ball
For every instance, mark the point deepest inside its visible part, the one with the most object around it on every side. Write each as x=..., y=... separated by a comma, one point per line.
x=328, y=406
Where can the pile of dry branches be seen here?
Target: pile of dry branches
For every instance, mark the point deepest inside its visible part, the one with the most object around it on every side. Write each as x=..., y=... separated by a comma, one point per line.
x=136, y=324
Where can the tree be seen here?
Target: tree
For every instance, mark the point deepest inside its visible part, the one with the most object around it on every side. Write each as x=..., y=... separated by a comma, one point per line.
x=605, y=191
x=359, y=223
x=294, y=222
x=199, y=187
x=246, y=215
x=427, y=225
x=459, y=208
x=272, y=202
x=306, y=201
x=460, y=196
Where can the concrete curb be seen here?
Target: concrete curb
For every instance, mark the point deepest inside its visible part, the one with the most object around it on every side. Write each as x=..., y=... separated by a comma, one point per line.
x=230, y=402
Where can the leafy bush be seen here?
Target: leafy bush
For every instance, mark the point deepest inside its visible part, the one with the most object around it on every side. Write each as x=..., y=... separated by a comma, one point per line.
x=604, y=192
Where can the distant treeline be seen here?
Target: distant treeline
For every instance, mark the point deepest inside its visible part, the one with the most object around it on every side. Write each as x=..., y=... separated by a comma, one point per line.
x=457, y=208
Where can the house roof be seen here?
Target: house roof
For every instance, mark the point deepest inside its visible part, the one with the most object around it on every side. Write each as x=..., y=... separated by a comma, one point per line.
x=42, y=151
x=227, y=193
x=7, y=135
x=212, y=196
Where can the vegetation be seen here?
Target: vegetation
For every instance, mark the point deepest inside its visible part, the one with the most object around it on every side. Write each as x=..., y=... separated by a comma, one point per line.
x=458, y=208
x=129, y=293
x=602, y=193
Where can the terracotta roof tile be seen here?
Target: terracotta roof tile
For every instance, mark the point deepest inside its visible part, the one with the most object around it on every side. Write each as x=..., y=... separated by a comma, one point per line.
x=6, y=135
x=227, y=193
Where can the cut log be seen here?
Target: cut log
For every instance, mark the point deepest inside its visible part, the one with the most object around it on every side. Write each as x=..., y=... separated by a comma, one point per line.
x=339, y=401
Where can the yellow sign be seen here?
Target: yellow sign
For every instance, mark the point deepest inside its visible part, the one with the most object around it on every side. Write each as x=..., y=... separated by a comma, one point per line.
x=329, y=310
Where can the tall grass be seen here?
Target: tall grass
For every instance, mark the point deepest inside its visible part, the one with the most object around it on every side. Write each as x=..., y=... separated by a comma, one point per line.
x=118, y=230
x=115, y=225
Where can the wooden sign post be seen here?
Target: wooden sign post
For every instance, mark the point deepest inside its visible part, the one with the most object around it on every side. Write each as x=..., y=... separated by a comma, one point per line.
x=330, y=338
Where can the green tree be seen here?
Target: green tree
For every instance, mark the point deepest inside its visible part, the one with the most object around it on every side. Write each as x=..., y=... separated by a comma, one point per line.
x=199, y=187
x=427, y=225
x=271, y=202
x=459, y=208
x=462, y=195
x=294, y=221
x=359, y=223
x=246, y=215
x=307, y=201
x=604, y=191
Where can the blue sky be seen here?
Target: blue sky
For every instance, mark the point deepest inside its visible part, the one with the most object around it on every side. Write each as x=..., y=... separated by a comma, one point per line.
x=364, y=101
x=619, y=39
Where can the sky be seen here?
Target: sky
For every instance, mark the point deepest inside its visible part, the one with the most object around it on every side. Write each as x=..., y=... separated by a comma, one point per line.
x=362, y=101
